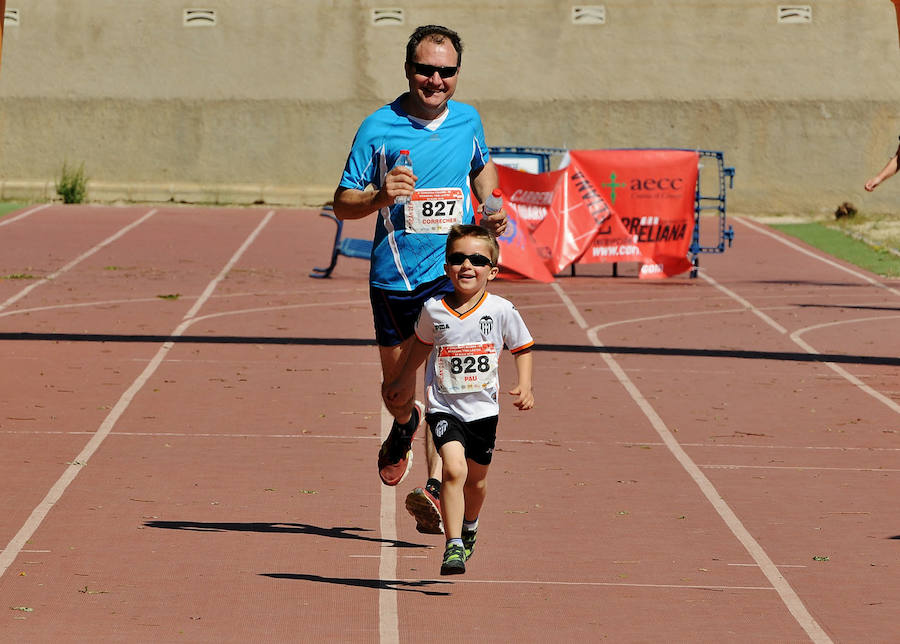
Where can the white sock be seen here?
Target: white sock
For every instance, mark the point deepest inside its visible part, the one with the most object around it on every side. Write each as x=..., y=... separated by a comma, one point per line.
x=470, y=525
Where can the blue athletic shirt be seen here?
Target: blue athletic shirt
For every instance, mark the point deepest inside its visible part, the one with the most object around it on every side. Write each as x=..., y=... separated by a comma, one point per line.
x=443, y=153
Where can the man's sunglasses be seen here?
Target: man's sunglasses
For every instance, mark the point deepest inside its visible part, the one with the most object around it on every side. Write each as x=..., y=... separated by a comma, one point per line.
x=457, y=259
x=429, y=70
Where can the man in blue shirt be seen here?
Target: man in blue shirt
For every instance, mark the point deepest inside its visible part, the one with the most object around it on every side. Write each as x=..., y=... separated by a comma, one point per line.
x=450, y=161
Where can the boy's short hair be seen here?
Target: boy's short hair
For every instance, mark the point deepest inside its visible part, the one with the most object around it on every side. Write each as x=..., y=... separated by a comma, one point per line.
x=473, y=230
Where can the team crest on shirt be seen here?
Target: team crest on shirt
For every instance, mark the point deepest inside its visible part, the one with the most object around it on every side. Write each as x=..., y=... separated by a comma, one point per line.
x=487, y=324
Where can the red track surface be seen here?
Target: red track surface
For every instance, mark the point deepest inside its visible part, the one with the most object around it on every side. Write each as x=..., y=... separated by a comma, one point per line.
x=201, y=468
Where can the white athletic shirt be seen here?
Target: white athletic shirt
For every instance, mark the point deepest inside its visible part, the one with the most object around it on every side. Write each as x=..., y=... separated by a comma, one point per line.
x=461, y=374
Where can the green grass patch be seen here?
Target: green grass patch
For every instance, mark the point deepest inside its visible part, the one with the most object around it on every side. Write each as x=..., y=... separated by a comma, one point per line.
x=836, y=243
x=7, y=207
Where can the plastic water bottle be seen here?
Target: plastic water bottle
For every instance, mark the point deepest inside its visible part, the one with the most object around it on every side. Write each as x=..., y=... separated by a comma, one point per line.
x=492, y=204
x=403, y=160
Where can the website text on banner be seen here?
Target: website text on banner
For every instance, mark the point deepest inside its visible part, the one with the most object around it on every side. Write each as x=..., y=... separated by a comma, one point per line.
x=604, y=206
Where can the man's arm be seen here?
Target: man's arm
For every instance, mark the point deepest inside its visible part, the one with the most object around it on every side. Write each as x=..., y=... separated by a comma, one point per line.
x=484, y=180
x=356, y=204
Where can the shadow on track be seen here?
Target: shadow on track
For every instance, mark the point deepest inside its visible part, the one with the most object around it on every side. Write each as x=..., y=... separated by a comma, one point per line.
x=289, y=528
x=786, y=356
x=375, y=584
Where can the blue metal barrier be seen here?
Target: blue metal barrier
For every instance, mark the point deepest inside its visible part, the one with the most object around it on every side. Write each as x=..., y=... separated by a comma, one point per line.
x=346, y=246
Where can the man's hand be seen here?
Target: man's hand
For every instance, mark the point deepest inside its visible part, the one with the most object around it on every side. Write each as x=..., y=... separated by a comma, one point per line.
x=496, y=223
x=400, y=181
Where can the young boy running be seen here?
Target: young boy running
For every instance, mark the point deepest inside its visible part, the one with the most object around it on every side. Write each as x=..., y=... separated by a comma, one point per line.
x=464, y=333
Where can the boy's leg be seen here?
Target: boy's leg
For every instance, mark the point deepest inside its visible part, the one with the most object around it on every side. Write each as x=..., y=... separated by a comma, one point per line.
x=475, y=490
x=452, y=489
x=453, y=507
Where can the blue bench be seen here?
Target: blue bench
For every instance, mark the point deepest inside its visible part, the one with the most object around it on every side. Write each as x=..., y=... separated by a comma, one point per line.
x=346, y=246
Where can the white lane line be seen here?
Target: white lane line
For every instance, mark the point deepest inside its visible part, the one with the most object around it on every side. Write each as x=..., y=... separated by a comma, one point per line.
x=799, y=468
x=753, y=565
x=25, y=291
x=43, y=508
x=746, y=304
x=790, y=244
x=388, y=619
x=795, y=337
x=787, y=594
x=877, y=395
x=8, y=220
x=540, y=582
x=751, y=446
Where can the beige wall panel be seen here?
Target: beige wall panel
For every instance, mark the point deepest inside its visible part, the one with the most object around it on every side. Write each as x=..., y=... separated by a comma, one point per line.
x=264, y=105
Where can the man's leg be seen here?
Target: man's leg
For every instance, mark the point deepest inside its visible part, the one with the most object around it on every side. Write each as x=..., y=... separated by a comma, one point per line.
x=395, y=455
x=393, y=359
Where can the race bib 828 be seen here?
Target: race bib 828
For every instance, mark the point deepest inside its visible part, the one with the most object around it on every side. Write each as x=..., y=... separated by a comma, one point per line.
x=461, y=368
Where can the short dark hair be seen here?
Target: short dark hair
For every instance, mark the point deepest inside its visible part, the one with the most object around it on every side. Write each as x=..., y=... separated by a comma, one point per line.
x=474, y=230
x=436, y=34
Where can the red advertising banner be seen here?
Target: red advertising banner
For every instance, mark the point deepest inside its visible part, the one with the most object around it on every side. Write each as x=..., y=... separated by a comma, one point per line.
x=525, y=200
x=605, y=206
x=897, y=10
x=651, y=193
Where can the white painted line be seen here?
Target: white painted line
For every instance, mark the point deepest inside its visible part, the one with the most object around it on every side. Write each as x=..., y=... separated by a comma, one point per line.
x=388, y=619
x=8, y=220
x=798, y=468
x=795, y=336
x=747, y=305
x=753, y=565
x=788, y=596
x=43, y=508
x=750, y=446
x=25, y=291
x=542, y=582
x=817, y=256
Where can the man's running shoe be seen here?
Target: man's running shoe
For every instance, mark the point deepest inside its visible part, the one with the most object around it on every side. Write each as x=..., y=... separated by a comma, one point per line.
x=454, y=560
x=395, y=456
x=468, y=539
x=425, y=507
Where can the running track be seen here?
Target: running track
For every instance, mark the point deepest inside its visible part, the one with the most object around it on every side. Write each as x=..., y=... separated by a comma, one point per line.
x=190, y=423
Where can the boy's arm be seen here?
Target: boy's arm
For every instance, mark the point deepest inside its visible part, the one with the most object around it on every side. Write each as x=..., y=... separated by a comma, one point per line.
x=523, y=390
x=406, y=381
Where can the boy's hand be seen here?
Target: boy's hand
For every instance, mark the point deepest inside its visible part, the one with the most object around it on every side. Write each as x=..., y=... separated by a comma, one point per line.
x=524, y=397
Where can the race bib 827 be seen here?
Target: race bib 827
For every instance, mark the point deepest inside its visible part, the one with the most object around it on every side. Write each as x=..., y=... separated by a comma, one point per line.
x=434, y=211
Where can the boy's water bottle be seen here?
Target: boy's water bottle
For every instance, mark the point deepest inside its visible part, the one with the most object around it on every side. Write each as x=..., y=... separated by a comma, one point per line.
x=492, y=204
x=403, y=159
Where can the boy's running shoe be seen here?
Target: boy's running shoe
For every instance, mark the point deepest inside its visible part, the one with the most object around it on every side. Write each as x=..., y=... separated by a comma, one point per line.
x=425, y=507
x=454, y=560
x=395, y=456
x=468, y=539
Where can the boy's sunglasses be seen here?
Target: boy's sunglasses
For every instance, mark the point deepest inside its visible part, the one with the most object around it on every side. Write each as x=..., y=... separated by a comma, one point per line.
x=457, y=259
x=429, y=70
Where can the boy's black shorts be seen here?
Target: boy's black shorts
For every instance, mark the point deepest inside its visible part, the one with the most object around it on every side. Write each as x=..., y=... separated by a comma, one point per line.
x=477, y=436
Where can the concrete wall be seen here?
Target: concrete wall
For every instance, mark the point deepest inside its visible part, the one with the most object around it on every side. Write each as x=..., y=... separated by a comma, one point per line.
x=263, y=106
